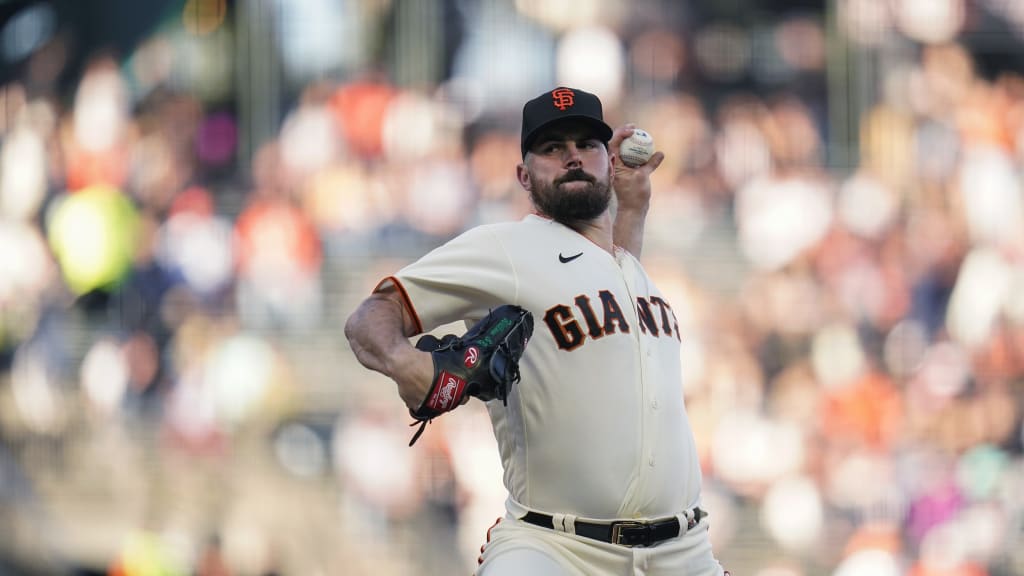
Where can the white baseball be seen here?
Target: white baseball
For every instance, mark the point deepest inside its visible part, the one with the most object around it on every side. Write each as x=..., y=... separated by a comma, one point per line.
x=637, y=149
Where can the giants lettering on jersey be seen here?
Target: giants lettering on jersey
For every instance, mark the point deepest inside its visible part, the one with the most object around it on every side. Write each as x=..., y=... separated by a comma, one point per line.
x=605, y=317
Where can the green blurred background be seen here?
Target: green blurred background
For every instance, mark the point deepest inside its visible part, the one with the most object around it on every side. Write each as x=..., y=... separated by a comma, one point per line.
x=195, y=194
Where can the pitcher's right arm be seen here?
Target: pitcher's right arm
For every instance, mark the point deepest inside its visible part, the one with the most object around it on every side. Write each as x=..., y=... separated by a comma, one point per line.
x=378, y=332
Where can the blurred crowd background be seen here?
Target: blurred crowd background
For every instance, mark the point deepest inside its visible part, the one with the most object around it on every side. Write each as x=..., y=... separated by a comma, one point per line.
x=195, y=194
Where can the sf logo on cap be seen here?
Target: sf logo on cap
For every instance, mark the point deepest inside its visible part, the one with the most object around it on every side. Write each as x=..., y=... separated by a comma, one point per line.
x=563, y=98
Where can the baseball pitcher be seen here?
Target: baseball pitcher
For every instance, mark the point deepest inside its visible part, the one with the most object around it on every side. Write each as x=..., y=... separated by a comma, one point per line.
x=574, y=350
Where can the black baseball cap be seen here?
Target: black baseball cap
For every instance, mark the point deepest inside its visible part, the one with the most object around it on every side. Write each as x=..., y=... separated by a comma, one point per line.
x=562, y=104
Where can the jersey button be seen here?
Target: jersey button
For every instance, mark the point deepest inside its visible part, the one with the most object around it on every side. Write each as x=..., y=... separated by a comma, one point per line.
x=654, y=404
x=650, y=461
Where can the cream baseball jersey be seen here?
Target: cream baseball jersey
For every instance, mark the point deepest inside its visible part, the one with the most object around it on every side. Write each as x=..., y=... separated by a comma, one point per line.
x=596, y=427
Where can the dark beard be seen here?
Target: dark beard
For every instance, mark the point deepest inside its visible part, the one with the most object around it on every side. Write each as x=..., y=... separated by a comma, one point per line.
x=568, y=207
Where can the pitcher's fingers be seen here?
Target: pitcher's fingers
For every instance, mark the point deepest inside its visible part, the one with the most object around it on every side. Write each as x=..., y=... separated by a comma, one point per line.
x=620, y=134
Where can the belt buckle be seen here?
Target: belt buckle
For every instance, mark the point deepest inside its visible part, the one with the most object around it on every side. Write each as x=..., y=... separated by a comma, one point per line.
x=695, y=519
x=617, y=535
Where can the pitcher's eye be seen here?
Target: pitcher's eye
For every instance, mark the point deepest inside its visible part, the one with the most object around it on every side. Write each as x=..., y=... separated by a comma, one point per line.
x=550, y=147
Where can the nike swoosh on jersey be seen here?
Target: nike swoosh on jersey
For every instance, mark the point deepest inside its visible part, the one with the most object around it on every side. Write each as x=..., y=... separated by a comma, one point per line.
x=567, y=259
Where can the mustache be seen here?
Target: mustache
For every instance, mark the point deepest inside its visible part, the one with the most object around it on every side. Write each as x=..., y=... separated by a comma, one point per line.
x=575, y=175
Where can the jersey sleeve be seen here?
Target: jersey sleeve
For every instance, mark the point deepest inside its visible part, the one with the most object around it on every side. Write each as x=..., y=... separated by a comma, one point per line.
x=464, y=278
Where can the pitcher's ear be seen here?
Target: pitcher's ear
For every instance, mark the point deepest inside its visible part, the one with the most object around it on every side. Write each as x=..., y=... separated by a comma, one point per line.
x=523, y=176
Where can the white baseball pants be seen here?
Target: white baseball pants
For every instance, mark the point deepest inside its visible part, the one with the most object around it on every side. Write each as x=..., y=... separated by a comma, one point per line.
x=515, y=548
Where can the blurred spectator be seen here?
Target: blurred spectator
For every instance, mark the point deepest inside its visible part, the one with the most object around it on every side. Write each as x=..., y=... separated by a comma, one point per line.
x=93, y=234
x=278, y=253
x=212, y=561
x=196, y=242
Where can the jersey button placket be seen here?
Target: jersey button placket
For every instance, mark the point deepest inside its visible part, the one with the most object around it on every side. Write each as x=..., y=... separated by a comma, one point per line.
x=644, y=355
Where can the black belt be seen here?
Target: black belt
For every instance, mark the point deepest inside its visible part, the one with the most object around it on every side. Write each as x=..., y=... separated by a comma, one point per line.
x=623, y=532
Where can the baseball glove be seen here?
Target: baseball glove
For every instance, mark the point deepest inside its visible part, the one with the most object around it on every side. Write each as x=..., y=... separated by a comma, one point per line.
x=483, y=362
